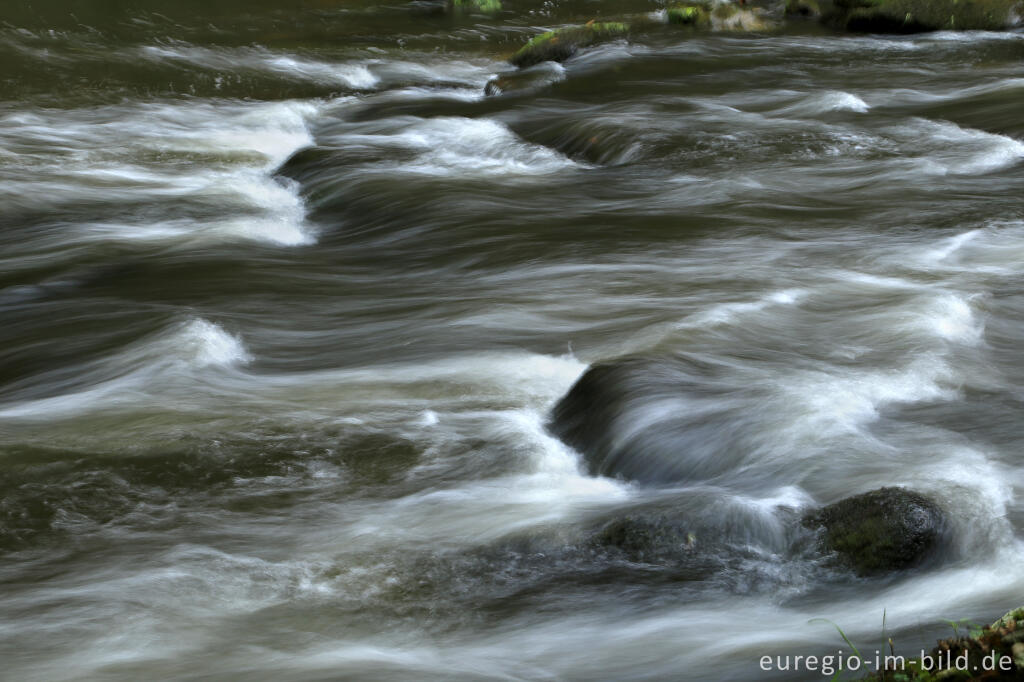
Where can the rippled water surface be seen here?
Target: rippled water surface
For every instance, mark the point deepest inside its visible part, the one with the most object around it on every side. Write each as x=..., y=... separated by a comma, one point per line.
x=287, y=301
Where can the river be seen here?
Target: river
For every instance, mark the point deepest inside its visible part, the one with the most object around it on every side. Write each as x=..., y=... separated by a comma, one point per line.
x=287, y=301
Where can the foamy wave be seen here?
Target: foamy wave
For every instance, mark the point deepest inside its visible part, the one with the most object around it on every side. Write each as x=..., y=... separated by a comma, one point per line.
x=965, y=151
x=838, y=402
x=951, y=246
x=553, y=489
x=143, y=152
x=455, y=146
x=821, y=103
x=138, y=375
x=352, y=75
x=996, y=249
x=727, y=312
x=203, y=344
x=951, y=318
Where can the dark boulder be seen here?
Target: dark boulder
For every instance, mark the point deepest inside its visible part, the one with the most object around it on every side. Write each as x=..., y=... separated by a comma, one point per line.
x=885, y=530
x=664, y=420
x=803, y=8
x=911, y=16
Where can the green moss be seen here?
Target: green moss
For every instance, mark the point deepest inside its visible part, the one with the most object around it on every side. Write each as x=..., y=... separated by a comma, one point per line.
x=560, y=44
x=483, y=6
x=982, y=647
x=908, y=16
x=689, y=15
x=1011, y=620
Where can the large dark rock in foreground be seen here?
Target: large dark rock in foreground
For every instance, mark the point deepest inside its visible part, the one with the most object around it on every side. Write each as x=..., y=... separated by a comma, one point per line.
x=666, y=420
x=909, y=16
x=885, y=530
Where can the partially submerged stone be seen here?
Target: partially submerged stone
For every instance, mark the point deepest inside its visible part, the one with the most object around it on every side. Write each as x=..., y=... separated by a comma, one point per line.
x=657, y=421
x=560, y=44
x=885, y=530
x=911, y=16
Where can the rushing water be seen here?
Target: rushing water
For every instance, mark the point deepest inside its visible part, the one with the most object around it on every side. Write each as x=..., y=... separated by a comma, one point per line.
x=286, y=302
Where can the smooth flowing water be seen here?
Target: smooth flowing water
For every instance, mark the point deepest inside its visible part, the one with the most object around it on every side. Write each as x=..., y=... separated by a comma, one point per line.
x=286, y=302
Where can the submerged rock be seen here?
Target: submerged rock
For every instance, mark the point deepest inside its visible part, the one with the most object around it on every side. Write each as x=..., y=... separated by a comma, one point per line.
x=911, y=16
x=885, y=530
x=562, y=43
x=665, y=420
x=643, y=539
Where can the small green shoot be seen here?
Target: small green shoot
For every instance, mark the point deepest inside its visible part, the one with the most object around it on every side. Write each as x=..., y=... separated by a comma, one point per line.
x=841, y=634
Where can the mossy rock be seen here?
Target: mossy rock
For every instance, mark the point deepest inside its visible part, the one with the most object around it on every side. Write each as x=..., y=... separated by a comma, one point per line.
x=803, y=8
x=730, y=17
x=562, y=43
x=481, y=6
x=689, y=15
x=912, y=16
x=885, y=530
x=1011, y=620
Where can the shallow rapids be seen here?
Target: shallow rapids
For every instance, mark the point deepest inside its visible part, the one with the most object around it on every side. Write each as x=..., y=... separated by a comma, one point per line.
x=287, y=302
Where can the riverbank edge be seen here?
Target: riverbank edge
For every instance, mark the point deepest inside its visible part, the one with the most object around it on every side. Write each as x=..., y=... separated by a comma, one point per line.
x=990, y=652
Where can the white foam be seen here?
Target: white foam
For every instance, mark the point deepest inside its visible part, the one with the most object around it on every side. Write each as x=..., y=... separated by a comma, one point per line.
x=820, y=103
x=950, y=317
x=951, y=245
x=204, y=344
x=120, y=149
x=354, y=75
x=725, y=313
x=843, y=401
x=964, y=151
x=529, y=379
x=553, y=488
x=844, y=101
x=456, y=146
x=995, y=250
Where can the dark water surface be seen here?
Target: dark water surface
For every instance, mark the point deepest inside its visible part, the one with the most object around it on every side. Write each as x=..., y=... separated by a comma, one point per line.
x=286, y=301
